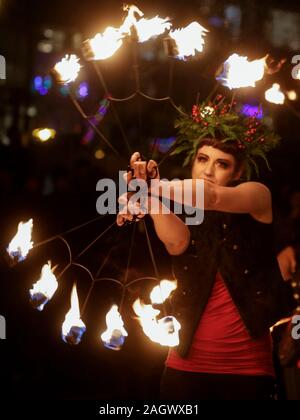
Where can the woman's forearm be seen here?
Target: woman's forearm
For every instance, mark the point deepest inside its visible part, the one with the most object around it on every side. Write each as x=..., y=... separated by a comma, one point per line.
x=170, y=229
x=190, y=192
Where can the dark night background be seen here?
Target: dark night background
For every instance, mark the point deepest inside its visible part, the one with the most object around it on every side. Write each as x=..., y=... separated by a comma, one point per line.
x=55, y=182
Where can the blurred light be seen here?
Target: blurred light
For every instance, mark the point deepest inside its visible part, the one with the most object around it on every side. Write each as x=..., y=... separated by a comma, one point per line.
x=292, y=95
x=252, y=111
x=233, y=17
x=99, y=154
x=45, y=46
x=44, y=134
x=31, y=111
x=48, y=33
x=5, y=141
x=64, y=90
x=216, y=21
x=43, y=91
x=38, y=82
x=47, y=82
x=162, y=144
x=42, y=84
x=83, y=90
x=284, y=28
x=274, y=95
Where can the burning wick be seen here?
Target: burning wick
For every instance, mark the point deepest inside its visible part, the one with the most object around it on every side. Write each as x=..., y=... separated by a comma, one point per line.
x=21, y=243
x=164, y=331
x=185, y=42
x=114, y=337
x=73, y=328
x=43, y=290
x=237, y=72
x=66, y=70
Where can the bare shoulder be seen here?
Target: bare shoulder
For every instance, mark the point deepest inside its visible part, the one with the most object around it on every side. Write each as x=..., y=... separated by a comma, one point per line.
x=253, y=198
x=260, y=193
x=254, y=187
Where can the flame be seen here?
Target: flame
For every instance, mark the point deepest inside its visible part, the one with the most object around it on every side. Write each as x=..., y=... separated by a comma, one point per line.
x=189, y=40
x=44, y=134
x=274, y=95
x=67, y=69
x=145, y=28
x=105, y=45
x=73, y=327
x=161, y=292
x=130, y=19
x=165, y=330
x=239, y=72
x=149, y=28
x=43, y=290
x=113, y=336
x=21, y=243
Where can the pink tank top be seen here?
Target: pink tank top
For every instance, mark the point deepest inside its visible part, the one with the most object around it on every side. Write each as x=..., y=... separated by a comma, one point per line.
x=222, y=344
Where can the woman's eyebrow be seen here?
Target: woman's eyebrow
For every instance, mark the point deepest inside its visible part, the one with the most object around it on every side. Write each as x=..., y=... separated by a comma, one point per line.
x=224, y=161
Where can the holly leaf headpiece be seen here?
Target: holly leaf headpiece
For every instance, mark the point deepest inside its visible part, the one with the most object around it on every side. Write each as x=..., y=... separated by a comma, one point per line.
x=218, y=120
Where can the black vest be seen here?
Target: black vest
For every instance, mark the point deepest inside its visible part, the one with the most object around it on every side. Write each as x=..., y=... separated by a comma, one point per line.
x=242, y=250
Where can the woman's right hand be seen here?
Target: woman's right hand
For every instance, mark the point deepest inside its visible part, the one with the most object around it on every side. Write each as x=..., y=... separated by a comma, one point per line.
x=131, y=210
x=138, y=171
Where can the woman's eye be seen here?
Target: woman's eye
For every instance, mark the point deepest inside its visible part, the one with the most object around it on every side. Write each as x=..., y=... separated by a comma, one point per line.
x=223, y=165
x=201, y=159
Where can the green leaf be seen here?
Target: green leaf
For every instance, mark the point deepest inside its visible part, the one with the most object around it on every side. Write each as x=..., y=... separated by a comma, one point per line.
x=259, y=152
x=187, y=159
x=254, y=164
x=211, y=131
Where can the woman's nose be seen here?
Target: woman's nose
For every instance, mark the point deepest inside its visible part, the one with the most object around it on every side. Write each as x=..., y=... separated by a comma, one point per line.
x=208, y=169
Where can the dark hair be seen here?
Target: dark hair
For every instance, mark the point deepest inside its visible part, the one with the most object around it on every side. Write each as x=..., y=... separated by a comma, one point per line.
x=226, y=148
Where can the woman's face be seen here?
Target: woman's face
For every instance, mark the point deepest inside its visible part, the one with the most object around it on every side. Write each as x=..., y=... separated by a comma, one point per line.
x=215, y=166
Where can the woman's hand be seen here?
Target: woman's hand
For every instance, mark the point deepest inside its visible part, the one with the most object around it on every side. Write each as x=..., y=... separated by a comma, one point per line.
x=131, y=210
x=141, y=169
